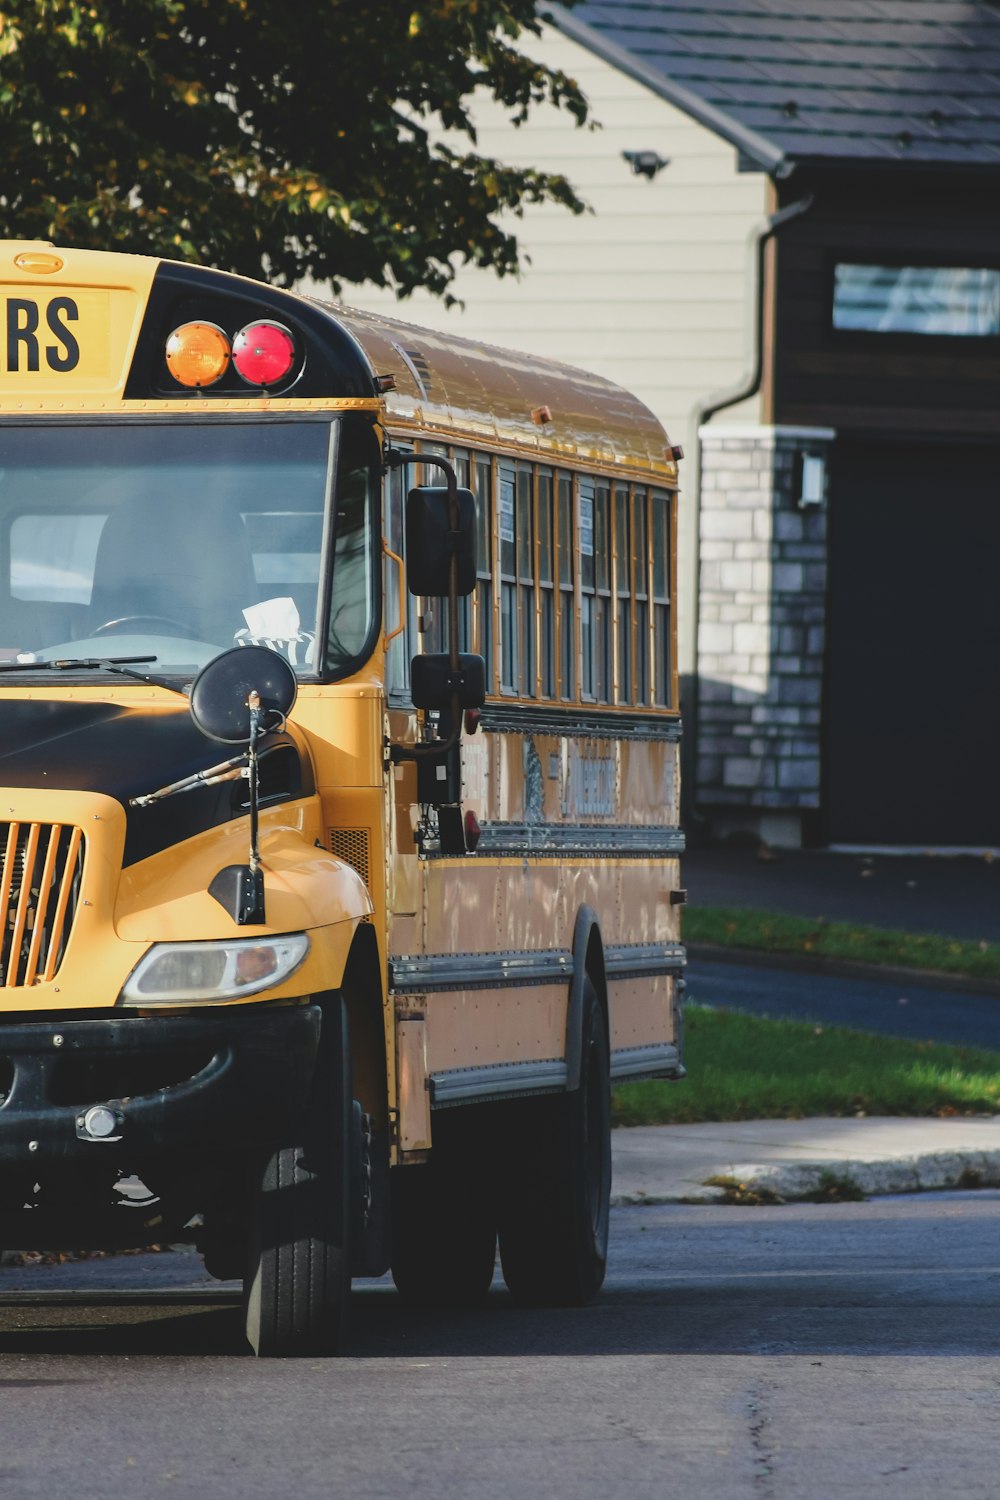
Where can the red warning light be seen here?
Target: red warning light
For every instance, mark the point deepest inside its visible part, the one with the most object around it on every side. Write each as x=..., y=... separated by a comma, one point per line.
x=263, y=353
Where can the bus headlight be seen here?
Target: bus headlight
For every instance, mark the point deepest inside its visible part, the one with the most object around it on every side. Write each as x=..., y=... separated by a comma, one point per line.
x=176, y=973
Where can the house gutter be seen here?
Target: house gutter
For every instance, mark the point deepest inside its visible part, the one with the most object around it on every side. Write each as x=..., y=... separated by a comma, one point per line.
x=772, y=159
x=762, y=236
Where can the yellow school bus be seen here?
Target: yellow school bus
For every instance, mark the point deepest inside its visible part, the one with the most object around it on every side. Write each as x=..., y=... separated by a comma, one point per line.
x=339, y=789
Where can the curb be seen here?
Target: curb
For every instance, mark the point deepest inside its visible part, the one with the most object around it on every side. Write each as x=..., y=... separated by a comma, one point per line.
x=808, y=963
x=794, y=1181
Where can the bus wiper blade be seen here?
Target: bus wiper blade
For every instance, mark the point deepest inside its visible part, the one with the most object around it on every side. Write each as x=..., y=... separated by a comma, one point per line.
x=120, y=664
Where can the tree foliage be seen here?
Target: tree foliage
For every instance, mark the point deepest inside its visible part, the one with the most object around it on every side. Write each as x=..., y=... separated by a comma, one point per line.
x=268, y=138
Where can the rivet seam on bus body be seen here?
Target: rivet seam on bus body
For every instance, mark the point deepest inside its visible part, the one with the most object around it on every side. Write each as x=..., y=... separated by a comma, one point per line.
x=57, y=1040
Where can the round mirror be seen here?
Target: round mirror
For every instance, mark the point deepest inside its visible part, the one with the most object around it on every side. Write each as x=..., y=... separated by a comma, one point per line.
x=220, y=691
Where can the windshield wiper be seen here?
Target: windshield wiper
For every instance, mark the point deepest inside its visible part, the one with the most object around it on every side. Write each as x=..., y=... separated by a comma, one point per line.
x=120, y=664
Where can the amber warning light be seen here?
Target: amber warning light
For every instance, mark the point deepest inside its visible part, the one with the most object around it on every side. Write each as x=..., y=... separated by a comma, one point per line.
x=199, y=354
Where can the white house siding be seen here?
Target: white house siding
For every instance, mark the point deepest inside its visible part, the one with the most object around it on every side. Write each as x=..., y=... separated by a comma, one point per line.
x=650, y=290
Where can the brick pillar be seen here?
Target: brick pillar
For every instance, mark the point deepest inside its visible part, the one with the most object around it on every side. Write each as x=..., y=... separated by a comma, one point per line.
x=761, y=631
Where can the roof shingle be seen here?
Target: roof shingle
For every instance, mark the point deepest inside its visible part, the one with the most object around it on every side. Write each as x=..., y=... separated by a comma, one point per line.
x=787, y=81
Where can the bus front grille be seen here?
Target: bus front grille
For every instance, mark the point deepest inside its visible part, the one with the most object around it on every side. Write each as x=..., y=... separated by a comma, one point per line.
x=40, y=869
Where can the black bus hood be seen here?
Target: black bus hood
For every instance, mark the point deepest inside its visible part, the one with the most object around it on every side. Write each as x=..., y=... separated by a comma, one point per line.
x=123, y=752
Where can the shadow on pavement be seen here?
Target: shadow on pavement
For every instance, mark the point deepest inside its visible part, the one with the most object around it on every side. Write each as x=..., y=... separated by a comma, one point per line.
x=890, y=1277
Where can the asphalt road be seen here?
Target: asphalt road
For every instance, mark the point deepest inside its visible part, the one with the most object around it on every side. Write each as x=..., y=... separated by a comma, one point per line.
x=891, y=1007
x=959, y=897
x=765, y=1354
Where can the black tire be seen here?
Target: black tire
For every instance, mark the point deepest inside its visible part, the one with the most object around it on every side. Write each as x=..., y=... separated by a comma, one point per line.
x=556, y=1192
x=444, y=1233
x=296, y=1294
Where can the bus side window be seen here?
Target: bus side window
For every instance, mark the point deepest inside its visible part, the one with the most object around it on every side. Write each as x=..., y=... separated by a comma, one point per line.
x=405, y=645
x=508, y=575
x=585, y=535
x=546, y=587
x=661, y=598
x=355, y=579
x=640, y=570
x=602, y=598
x=525, y=581
x=595, y=591
x=623, y=592
x=567, y=587
x=484, y=564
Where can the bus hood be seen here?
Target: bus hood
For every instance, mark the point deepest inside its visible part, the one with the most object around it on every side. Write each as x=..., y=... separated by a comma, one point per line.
x=122, y=752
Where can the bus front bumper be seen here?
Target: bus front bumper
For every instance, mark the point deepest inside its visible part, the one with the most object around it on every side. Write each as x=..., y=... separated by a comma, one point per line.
x=140, y=1086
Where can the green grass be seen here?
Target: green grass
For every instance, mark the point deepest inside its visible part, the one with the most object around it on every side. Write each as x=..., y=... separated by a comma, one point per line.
x=746, y=1068
x=742, y=927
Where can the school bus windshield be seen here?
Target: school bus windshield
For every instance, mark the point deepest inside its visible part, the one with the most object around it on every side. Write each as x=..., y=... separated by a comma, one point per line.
x=180, y=539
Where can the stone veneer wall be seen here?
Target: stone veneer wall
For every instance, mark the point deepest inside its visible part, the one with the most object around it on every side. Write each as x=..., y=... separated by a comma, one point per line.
x=761, y=631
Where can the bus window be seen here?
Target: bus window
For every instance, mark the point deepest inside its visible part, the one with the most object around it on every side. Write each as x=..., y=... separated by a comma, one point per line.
x=463, y=472
x=623, y=593
x=176, y=540
x=640, y=570
x=285, y=550
x=588, y=682
x=52, y=556
x=661, y=597
x=525, y=582
x=602, y=598
x=484, y=564
x=508, y=584
x=352, y=594
x=402, y=646
x=567, y=587
x=546, y=587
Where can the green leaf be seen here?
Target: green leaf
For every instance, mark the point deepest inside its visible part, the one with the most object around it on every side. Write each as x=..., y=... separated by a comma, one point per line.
x=236, y=133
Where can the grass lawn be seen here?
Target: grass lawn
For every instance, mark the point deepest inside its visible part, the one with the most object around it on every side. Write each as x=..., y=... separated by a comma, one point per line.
x=746, y=1068
x=742, y=927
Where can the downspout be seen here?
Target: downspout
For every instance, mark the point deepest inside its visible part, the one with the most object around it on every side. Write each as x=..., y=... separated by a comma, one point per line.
x=763, y=235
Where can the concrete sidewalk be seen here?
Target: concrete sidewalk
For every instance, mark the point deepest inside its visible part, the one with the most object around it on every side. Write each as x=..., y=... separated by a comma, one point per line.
x=956, y=896
x=793, y=1158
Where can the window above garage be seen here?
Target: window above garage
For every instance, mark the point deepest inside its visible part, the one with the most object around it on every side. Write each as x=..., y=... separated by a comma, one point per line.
x=948, y=301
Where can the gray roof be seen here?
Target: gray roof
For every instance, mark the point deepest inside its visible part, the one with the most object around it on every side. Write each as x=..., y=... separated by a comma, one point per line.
x=789, y=81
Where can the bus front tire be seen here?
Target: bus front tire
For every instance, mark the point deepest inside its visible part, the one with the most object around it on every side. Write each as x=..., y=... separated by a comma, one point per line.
x=557, y=1189
x=297, y=1288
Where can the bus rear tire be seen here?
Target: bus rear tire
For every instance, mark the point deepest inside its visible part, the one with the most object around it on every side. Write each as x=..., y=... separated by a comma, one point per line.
x=296, y=1293
x=444, y=1236
x=556, y=1194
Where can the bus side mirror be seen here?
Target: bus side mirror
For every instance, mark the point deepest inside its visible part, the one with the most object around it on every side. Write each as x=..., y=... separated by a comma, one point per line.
x=433, y=683
x=430, y=542
x=221, y=692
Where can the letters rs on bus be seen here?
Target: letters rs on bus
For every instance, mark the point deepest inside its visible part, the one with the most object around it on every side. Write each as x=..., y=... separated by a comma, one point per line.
x=39, y=333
